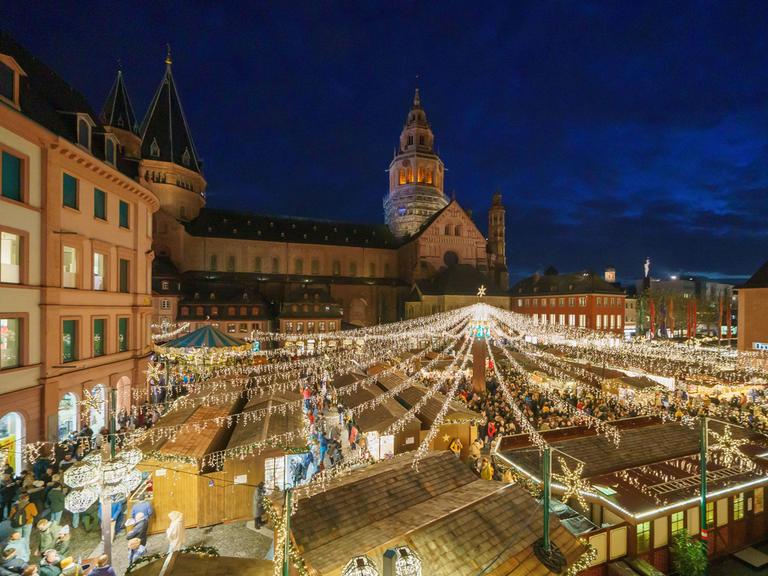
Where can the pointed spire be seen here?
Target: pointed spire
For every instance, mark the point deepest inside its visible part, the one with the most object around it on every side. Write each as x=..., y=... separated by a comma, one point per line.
x=168, y=59
x=165, y=134
x=118, y=111
x=416, y=100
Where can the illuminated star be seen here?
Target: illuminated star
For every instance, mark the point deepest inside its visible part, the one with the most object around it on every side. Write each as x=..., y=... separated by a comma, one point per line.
x=573, y=483
x=153, y=372
x=728, y=446
x=446, y=437
x=92, y=401
x=481, y=291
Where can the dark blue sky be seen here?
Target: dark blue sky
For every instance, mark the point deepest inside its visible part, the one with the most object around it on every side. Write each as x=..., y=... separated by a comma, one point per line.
x=615, y=130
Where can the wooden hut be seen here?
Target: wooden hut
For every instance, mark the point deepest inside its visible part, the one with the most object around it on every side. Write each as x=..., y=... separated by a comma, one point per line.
x=190, y=564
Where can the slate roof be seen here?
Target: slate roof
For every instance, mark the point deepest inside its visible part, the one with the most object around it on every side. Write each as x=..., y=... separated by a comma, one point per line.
x=166, y=125
x=454, y=521
x=759, y=279
x=118, y=111
x=576, y=283
x=459, y=280
x=216, y=223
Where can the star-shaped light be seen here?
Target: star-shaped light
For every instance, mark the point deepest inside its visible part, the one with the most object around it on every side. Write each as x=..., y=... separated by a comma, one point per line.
x=446, y=437
x=728, y=447
x=153, y=372
x=91, y=400
x=481, y=291
x=573, y=483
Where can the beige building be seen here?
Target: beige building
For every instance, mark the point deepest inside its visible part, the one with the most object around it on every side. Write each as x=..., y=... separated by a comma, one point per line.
x=75, y=290
x=753, y=312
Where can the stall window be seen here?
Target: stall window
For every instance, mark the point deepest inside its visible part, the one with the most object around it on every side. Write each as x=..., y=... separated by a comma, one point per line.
x=678, y=523
x=738, y=506
x=643, y=537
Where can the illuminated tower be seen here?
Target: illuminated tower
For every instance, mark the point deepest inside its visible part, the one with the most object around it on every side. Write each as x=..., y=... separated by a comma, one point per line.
x=497, y=242
x=415, y=176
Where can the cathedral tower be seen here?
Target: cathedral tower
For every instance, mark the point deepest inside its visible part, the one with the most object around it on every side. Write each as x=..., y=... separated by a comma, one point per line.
x=170, y=166
x=415, y=176
x=118, y=117
x=497, y=243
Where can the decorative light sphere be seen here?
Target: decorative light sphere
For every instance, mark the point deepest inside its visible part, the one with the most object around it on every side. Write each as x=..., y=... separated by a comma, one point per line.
x=80, y=499
x=360, y=566
x=81, y=474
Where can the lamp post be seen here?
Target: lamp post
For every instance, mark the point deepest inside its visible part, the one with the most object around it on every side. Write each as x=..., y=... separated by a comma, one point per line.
x=703, y=446
x=546, y=472
x=287, y=537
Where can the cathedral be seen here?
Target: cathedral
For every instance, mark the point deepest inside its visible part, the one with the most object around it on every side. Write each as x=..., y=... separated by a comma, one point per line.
x=244, y=271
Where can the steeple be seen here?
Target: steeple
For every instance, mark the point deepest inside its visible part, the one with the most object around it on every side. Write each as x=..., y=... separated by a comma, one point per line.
x=415, y=175
x=165, y=134
x=117, y=111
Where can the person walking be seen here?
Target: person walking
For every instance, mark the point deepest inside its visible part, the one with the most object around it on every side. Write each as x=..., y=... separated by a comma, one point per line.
x=55, y=502
x=11, y=564
x=23, y=516
x=47, y=536
x=135, y=550
x=20, y=545
x=102, y=567
x=258, y=505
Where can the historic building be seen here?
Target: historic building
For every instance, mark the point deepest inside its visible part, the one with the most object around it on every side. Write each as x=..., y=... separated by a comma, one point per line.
x=75, y=255
x=244, y=271
x=579, y=300
x=753, y=312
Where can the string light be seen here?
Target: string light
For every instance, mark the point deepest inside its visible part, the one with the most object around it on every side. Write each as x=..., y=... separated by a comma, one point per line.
x=572, y=482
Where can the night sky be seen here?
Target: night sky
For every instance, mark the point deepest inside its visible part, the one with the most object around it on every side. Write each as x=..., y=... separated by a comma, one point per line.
x=615, y=130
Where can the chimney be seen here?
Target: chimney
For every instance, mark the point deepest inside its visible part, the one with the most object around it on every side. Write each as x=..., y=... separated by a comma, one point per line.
x=610, y=274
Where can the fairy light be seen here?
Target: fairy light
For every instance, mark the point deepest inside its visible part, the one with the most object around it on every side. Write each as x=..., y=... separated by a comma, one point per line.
x=727, y=447
x=574, y=485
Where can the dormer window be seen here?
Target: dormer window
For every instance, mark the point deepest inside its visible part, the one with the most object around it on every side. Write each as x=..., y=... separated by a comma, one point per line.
x=83, y=133
x=154, y=149
x=186, y=158
x=109, y=151
x=10, y=72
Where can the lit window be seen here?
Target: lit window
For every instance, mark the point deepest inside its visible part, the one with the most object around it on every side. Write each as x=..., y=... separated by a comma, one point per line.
x=10, y=343
x=738, y=506
x=69, y=340
x=122, y=334
x=99, y=269
x=678, y=522
x=12, y=176
x=165, y=304
x=164, y=285
x=643, y=537
x=154, y=149
x=710, y=514
x=69, y=268
x=10, y=258
x=98, y=337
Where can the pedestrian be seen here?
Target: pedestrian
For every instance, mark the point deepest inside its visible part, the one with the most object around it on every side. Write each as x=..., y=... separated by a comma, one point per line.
x=486, y=470
x=137, y=528
x=23, y=516
x=55, y=502
x=258, y=505
x=50, y=564
x=102, y=567
x=20, y=545
x=62, y=541
x=135, y=550
x=11, y=564
x=47, y=536
x=456, y=447
x=144, y=506
x=8, y=488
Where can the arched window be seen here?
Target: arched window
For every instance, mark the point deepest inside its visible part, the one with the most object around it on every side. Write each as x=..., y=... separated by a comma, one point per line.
x=298, y=266
x=401, y=177
x=447, y=229
x=457, y=230
x=12, y=439
x=429, y=177
x=420, y=174
x=154, y=149
x=410, y=174
x=186, y=158
x=67, y=415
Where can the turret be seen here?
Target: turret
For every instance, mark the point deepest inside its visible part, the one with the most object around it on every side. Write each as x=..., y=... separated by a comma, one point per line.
x=415, y=176
x=497, y=242
x=117, y=117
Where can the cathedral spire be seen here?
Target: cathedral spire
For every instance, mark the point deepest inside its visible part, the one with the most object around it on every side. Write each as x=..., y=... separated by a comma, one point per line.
x=165, y=134
x=416, y=100
x=118, y=111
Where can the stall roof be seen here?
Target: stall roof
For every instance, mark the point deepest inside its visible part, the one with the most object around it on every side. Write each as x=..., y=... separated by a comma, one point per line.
x=270, y=425
x=183, y=564
x=390, y=503
x=376, y=419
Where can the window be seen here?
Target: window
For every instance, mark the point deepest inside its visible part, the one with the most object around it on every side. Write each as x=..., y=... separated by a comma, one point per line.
x=315, y=266
x=99, y=270
x=643, y=537
x=231, y=328
x=353, y=269
x=124, y=214
x=69, y=268
x=165, y=304
x=582, y=320
x=321, y=326
x=618, y=321
x=332, y=326
x=231, y=264
x=83, y=133
x=110, y=151
x=372, y=269
x=678, y=522
x=69, y=340
x=10, y=343
x=12, y=177
x=336, y=268
x=298, y=266
x=10, y=258
x=124, y=276
x=164, y=285
x=98, y=337
x=154, y=149
x=7, y=82
x=447, y=230
x=214, y=263
x=561, y=319
x=561, y=301
x=122, y=334
x=598, y=326
x=69, y=191
x=243, y=327
x=257, y=264
x=571, y=319
x=738, y=506
x=299, y=327
x=710, y=514
x=571, y=301
x=275, y=265
x=99, y=204
x=410, y=140
x=421, y=140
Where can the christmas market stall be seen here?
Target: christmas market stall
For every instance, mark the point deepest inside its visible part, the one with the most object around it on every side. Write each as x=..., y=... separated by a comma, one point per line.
x=442, y=520
x=200, y=561
x=641, y=495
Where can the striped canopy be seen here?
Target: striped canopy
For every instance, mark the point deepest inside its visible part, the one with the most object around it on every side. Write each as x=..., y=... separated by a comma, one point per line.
x=205, y=337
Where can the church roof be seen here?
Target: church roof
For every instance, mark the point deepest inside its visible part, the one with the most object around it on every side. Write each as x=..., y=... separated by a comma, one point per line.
x=553, y=283
x=118, y=111
x=217, y=223
x=759, y=279
x=458, y=280
x=165, y=134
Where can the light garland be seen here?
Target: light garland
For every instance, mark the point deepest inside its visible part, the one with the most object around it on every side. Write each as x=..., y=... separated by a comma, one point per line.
x=572, y=482
x=728, y=447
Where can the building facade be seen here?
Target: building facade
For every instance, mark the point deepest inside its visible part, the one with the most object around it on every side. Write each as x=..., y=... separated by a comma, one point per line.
x=75, y=288
x=579, y=300
x=753, y=312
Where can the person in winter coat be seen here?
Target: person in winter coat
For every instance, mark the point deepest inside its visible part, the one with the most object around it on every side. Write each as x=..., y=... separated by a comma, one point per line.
x=138, y=528
x=135, y=550
x=55, y=502
x=47, y=536
x=23, y=516
x=102, y=567
x=258, y=505
x=62, y=542
x=486, y=470
x=175, y=532
x=456, y=447
x=50, y=564
x=11, y=565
